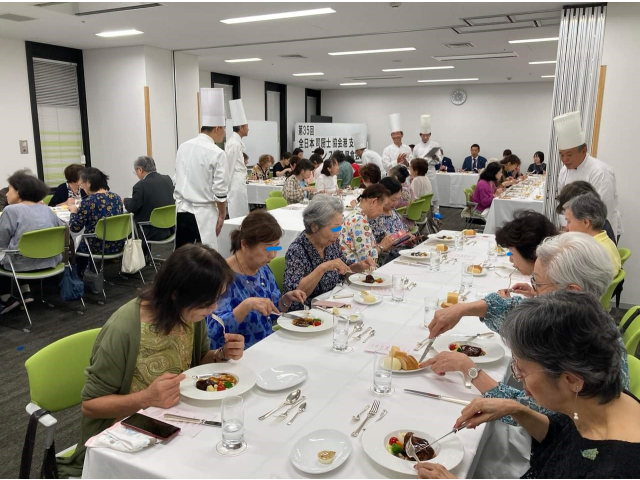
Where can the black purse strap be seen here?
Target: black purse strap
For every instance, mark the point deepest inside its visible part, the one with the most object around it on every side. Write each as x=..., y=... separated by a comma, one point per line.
x=49, y=468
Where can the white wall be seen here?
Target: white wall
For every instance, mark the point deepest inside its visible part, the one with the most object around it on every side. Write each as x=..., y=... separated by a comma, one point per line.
x=252, y=94
x=204, y=78
x=187, y=86
x=295, y=112
x=618, y=128
x=496, y=117
x=15, y=108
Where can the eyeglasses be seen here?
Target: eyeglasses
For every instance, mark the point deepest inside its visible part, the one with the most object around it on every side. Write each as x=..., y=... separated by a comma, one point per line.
x=517, y=376
x=535, y=284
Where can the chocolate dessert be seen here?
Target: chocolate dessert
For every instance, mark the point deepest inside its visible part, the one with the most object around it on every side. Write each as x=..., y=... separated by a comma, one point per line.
x=471, y=351
x=421, y=446
x=369, y=279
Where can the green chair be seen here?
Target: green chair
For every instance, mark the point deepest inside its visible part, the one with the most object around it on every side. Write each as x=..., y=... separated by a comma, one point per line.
x=339, y=183
x=277, y=268
x=631, y=335
x=161, y=217
x=402, y=211
x=605, y=300
x=470, y=213
x=275, y=203
x=47, y=199
x=356, y=182
x=625, y=254
x=56, y=379
x=275, y=193
x=37, y=244
x=634, y=374
x=473, y=188
x=414, y=213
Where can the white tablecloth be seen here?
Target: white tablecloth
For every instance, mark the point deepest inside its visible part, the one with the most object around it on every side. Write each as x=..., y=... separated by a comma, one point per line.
x=336, y=389
x=502, y=209
x=258, y=192
x=451, y=188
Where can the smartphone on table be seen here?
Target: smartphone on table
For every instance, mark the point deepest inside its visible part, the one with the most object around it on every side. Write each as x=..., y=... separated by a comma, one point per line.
x=150, y=426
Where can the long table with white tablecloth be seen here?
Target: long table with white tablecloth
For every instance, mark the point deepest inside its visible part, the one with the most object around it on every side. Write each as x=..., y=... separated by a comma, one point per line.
x=451, y=188
x=337, y=387
x=257, y=193
x=525, y=196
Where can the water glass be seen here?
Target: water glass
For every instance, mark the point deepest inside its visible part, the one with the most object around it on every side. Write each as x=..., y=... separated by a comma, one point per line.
x=340, y=333
x=397, y=288
x=467, y=276
x=232, y=427
x=431, y=304
x=435, y=259
x=459, y=241
x=382, y=372
x=492, y=254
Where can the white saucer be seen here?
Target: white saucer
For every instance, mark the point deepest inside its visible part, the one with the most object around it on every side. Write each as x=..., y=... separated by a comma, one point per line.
x=283, y=377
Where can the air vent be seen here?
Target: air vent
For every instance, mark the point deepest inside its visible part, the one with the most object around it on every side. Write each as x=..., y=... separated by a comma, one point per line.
x=489, y=20
x=293, y=55
x=15, y=18
x=475, y=56
x=388, y=77
x=119, y=9
x=319, y=80
x=498, y=27
x=459, y=45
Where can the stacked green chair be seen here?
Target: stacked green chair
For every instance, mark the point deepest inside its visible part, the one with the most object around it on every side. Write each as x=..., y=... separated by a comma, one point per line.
x=161, y=217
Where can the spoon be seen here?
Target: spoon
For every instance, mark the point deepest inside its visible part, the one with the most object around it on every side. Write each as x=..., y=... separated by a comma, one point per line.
x=371, y=334
x=356, y=418
x=290, y=400
x=302, y=408
x=358, y=328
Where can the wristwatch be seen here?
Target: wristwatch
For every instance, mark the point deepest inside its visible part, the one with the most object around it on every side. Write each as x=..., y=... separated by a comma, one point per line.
x=472, y=374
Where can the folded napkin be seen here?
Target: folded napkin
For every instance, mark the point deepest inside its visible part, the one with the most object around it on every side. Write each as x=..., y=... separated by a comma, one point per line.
x=119, y=437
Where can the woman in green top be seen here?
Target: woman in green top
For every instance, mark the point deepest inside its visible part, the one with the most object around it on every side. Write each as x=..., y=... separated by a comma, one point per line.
x=142, y=350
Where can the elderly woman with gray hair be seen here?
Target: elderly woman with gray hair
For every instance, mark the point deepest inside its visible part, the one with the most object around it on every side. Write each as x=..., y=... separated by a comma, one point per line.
x=587, y=213
x=314, y=260
x=567, y=352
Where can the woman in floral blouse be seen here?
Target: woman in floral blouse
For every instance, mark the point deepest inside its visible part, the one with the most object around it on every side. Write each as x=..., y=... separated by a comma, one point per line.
x=99, y=204
x=314, y=261
x=253, y=296
x=389, y=226
x=401, y=173
x=295, y=188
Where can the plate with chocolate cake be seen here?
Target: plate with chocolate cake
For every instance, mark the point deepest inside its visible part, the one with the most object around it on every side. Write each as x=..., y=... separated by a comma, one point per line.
x=480, y=350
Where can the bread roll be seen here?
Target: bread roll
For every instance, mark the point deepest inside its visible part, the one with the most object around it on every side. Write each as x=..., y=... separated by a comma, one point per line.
x=441, y=247
x=412, y=363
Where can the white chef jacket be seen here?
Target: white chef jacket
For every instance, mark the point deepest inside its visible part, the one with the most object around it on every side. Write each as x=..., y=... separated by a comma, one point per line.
x=238, y=200
x=390, y=155
x=369, y=156
x=234, y=148
x=602, y=177
x=420, y=151
x=200, y=181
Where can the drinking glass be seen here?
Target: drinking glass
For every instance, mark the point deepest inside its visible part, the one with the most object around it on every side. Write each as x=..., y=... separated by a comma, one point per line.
x=382, y=373
x=341, y=334
x=397, y=288
x=232, y=442
x=431, y=304
x=467, y=276
x=459, y=241
x=492, y=254
x=435, y=259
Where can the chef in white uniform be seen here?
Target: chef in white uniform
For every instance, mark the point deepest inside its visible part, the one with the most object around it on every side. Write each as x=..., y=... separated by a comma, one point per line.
x=579, y=165
x=200, y=181
x=422, y=150
x=397, y=152
x=366, y=155
x=237, y=171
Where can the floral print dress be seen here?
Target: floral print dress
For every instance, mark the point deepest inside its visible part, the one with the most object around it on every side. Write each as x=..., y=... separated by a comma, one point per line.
x=356, y=238
x=391, y=224
x=91, y=210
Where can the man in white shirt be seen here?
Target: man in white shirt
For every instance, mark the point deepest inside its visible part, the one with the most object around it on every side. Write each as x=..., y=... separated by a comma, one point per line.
x=579, y=165
x=237, y=171
x=366, y=155
x=201, y=179
x=397, y=152
x=422, y=150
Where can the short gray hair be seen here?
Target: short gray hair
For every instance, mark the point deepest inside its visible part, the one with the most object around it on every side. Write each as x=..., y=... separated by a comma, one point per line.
x=588, y=207
x=576, y=258
x=320, y=211
x=147, y=164
x=570, y=332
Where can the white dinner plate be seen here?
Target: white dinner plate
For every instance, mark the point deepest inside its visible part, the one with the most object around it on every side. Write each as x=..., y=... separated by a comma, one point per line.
x=246, y=379
x=441, y=238
x=481, y=274
x=304, y=455
x=406, y=372
x=494, y=350
x=327, y=321
x=408, y=254
x=283, y=377
x=352, y=316
x=360, y=299
x=358, y=279
x=449, y=451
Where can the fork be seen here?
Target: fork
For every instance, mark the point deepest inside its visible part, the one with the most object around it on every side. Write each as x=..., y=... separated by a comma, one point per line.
x=372, y=413
x=221, y=322
x=284, y=414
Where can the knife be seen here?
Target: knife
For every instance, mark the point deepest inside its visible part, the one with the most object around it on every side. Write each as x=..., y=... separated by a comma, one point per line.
x=178, y=418
x=426, y=350
x=437, y=397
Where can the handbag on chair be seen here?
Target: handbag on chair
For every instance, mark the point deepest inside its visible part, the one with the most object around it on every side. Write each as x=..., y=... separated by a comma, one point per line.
x=133, y=259
x=71, y=287
x=94, y=281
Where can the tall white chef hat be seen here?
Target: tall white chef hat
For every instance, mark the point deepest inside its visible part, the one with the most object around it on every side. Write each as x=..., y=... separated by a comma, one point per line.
x=212, y=107
x=425, y=124
x=237, y=113
x=394, y=121
x=359, y=140
x=569, y=130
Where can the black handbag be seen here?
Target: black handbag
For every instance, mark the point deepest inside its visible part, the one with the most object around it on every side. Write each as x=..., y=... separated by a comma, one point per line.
x=94, y=281
x=71, y=287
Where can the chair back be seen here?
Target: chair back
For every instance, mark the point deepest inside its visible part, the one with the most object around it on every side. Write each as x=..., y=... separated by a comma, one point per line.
x=634, y=374
x=118, y=227
x=161, y=217
x=56, y=373
x=339, y=183
x=355, y=183
x=44, y=243
x=631, y=335
x=473, y=188
x=467, y=194
x=605, y=300
x=277, y=268
x=401, y=211
x=625, y=253
x=47, y=199
x=275, y=193
x=415, y=209
x=426, y=207
x=275, y=202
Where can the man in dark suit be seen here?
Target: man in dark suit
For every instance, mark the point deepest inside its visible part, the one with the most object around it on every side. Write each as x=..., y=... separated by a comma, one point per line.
x=446, y=165
x=474, y=162
x=152, y=191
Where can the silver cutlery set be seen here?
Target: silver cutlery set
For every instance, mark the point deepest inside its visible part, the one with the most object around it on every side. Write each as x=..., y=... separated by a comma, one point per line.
x=372, y=413
x=369, y=332
x=293, y=400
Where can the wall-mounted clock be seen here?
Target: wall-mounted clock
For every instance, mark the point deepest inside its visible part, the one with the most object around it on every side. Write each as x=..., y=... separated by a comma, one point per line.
x=458, y=96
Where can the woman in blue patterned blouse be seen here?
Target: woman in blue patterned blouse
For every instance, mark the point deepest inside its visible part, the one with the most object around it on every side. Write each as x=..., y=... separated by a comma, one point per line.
x=570, y=261
x=100, y=203
x=389, y=226
x=247, y=305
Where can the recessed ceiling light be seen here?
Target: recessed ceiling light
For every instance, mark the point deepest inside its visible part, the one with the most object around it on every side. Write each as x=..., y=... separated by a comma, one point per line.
x=416, y=69
x=278, y=16
x=543, y=63
x=307, y=74
x=534, y=40
x=547, y=76
x=449, y=80
x=383, y=50
x=119, y=33
x=241, y=60
x=352, y=84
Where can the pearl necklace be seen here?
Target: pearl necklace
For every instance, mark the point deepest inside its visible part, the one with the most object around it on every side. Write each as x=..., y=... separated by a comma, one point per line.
x=262, y=284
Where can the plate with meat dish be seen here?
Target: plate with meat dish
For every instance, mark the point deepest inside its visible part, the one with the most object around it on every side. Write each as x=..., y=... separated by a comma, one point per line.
x=385, y=445
x=313, y=321
x=370, y=280
x=215, y=381
x=480, y=350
